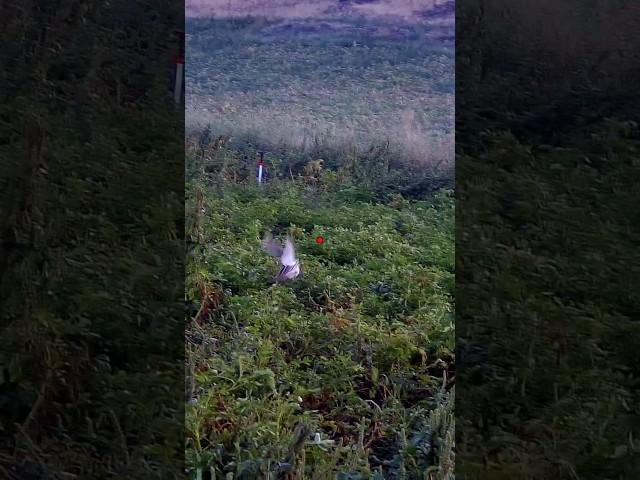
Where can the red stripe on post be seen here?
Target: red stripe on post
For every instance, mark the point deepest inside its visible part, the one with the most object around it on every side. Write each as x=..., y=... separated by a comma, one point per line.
x=180, y=60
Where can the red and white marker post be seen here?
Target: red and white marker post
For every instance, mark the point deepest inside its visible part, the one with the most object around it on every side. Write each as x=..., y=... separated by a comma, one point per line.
x=177, y=91
x=261, y=169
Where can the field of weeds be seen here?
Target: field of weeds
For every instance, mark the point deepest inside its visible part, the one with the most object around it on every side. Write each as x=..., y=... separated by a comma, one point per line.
x=346, y=372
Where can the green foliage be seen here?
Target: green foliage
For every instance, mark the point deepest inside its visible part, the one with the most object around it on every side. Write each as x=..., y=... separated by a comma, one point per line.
x=566, y=368
x=355, y=348
x=546, y=257
x=90, y=357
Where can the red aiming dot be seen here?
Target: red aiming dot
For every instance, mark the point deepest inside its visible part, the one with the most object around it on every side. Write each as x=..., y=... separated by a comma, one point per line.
x=319, y=239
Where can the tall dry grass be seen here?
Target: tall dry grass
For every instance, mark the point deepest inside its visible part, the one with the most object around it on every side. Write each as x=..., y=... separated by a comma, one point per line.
x=408, y=133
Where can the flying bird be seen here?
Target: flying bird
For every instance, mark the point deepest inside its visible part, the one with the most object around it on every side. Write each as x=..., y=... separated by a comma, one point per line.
x=290, y=267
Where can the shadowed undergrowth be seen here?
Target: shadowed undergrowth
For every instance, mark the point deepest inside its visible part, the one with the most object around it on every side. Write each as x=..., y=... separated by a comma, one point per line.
x=546, y=266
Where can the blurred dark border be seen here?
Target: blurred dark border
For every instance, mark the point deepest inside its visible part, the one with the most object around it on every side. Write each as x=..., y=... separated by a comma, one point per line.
x=547, y=237
x=91, y=232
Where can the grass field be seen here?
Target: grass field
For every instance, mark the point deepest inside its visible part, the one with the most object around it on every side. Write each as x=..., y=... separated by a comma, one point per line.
x=340, y=80
x=346, y=372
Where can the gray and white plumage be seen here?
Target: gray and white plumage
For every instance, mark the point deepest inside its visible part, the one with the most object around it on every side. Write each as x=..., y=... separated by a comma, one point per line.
x=289, y=265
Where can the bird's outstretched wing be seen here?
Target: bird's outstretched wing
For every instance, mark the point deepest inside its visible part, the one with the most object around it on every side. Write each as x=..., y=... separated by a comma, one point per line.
x=271, y=246
x=288, y=257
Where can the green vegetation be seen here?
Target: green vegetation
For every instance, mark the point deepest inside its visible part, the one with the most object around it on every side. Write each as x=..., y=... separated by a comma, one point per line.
x=91, y=266
x=346, y=372
x=551, y=353
x=357, y=353
x=547, y=268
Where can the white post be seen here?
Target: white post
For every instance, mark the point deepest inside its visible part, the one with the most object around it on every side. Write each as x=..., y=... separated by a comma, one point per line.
x=261, y=168
x=177, y=91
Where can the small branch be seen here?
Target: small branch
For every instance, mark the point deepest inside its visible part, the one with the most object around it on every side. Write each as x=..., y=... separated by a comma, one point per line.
x=38, y=403
x=35, y=451
x=123, y=440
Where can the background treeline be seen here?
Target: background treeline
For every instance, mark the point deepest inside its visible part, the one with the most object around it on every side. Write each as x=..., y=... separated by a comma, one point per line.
x=547, y=270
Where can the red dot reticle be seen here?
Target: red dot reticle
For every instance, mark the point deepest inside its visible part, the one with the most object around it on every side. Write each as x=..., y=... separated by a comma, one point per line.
x=319, y=239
